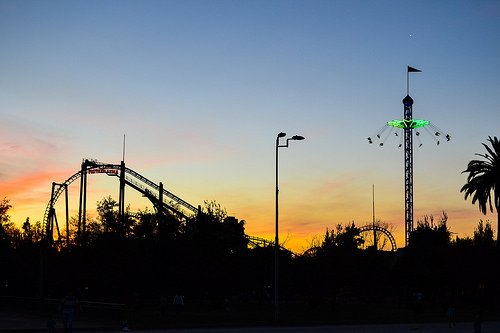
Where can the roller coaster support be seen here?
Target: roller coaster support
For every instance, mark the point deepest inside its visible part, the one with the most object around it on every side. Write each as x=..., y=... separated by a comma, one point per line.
x=160, y=202
x=67, y=214
x=52, y=212
x=52, y=220
x=82, y=209
x=121, y=200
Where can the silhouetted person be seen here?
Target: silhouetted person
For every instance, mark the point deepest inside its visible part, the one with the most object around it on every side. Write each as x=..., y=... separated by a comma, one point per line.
x=68, y=310
x=178, y=303
x=125, y=326
x=477, y=322
x=417, y=307
x=51, y=324
x=451, y=315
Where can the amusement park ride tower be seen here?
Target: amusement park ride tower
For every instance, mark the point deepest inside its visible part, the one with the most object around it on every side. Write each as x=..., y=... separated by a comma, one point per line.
x=408, y=124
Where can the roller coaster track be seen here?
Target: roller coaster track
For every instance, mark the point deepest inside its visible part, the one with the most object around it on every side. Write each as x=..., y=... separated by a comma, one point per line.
x=144, y=186
x=262, y=242
x=364, y=229
x=132, y=178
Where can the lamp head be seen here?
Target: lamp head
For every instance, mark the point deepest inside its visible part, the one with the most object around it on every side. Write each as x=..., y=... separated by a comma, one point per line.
x=298, y=137
x=281, y=134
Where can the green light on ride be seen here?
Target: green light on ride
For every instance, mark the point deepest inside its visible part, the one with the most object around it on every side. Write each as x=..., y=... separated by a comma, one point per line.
x=412, y=123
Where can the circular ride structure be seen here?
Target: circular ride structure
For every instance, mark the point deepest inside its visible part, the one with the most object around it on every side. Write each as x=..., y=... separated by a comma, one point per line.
x=385, y=242
x=159, y=197
x=378, y=238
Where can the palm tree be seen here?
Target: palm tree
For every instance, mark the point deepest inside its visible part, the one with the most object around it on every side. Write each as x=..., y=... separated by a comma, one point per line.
x=484, y=179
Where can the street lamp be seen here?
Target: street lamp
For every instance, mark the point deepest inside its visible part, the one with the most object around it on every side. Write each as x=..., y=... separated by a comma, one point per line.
x=276, y=239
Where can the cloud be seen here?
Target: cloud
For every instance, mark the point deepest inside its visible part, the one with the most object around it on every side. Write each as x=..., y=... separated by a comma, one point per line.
x=26, y=149
x=24, y=186
x=29, y=193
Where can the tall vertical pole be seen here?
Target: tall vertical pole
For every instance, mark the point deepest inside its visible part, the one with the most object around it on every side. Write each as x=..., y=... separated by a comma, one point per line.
x=408, y=138
x=121, y=200
x=82, y=204
x=373, y=218
x=123, y=149
x=67, y=214
x=121, y=203
x=122, y=182
x=276, y=243
x=408, y=81
x=84, y=217
x=276, y=239
x=79, y=227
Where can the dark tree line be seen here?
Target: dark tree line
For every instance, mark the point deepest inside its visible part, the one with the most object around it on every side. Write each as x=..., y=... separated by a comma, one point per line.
x=146, y=258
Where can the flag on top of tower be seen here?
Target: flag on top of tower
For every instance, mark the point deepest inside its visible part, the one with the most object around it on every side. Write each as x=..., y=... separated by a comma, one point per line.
x=413, y=70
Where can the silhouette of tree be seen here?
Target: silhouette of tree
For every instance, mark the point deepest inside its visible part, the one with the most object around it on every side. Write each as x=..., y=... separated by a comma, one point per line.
x=484, y=179
x=10, y=235
x=426, y=264
x=213, y=245
x=483, y=235
x=158, y=254
x=334, y=265
x=93, y=230
x=111, y=221
x=4, y=216
x=4, y=208
x=215, y=210
x=145, y=227
x=484, y=250
x=107, y=215
x=219, y=231
x=346, y=239
x=5, y=245
x=27, y=231
x=430, y=236
x=31, y=233
x=349, y=239
x=169, y=226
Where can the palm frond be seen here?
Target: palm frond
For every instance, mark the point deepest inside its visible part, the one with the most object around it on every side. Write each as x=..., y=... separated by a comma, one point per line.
x=483, y=180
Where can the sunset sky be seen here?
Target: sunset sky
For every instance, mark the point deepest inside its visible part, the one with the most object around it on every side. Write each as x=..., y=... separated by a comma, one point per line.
x=202, y=88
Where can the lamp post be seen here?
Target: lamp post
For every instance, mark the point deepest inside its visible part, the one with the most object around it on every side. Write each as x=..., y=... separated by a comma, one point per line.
x=276, y=239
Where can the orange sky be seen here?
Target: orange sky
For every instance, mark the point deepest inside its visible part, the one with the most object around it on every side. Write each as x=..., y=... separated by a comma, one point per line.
x=301, y=221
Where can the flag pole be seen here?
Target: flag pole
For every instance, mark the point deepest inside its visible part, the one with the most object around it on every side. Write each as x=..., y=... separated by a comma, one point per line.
x=408, y=70
x=407, y=82
x=123, y=149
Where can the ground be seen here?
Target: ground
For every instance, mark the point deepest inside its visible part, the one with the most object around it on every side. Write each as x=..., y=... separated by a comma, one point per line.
x=16, y=322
